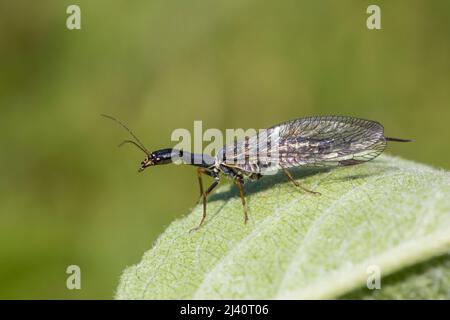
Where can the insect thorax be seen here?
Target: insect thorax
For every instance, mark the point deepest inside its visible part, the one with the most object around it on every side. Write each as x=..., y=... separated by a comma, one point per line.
x=235, y=172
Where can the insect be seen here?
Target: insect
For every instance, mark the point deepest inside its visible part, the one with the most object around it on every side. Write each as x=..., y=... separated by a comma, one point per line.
x=323, y=141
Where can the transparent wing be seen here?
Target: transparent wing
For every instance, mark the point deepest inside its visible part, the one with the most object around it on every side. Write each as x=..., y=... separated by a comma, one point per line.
x=312, y=141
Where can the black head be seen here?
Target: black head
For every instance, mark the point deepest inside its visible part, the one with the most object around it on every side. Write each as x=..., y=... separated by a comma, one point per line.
x=163, y=156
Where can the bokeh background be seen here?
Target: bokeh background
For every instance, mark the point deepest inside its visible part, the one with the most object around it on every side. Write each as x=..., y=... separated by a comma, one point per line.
x=69, y=196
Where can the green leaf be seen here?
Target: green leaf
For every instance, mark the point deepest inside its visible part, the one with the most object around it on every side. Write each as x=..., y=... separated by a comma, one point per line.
x=390, y=214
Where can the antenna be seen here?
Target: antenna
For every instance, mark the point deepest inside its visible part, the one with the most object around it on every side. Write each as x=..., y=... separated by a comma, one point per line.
x=132, y=142
x=139, y=144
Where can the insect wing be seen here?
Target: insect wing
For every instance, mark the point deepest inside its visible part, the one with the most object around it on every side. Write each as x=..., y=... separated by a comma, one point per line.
x=312, y=141
x=329, y=141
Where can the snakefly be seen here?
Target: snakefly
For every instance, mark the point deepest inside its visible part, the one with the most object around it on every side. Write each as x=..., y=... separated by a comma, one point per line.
x=305, y=142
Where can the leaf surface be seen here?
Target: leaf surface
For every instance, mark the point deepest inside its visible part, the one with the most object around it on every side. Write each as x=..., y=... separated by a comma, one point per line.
x=389, y=214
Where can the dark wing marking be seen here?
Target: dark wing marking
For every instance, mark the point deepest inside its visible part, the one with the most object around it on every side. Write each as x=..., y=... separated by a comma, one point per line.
x=311, y=141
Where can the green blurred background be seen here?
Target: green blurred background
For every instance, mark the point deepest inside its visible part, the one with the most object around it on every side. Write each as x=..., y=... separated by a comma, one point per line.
x=69, y=196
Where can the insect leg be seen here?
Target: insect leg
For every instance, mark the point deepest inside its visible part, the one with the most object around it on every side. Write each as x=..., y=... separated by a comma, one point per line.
x=205, y=195
x=241, y=192
x=298, y=185
x=201, y=171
